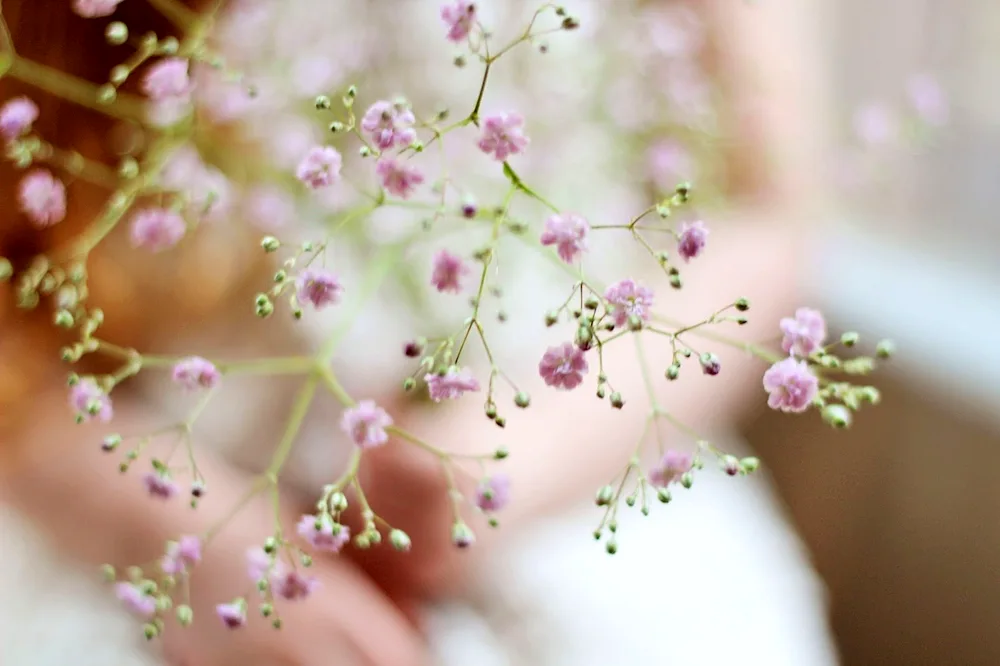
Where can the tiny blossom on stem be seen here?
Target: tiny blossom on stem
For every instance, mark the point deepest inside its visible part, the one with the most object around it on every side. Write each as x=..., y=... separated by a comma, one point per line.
x=563, y=366
x=168, y=79
x=503, y=135
x=804, y=333
x=692, y=239
x=449, y=269
x=493, y=493
x=233, y=614
x=293, y=585
x=791, y=385
x=159, y=485
x=156, y=229
x=17, y=116
x=459, y=17
x=195, y=373
x=389, y=124
x=322, y=533
x=451, y=385
x=90, y=402
x=42, y=197
x=95, y=8
x=568, y=232
x=671, y=468
x=181, y=555
x=136, y=600
x=320, y=167
x=318, y=287
x=397, y=178
x=365, y=423
x=710, y=364
x=628, y=298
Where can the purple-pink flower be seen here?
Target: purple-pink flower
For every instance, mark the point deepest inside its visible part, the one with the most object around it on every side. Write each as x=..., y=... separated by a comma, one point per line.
x=568, y=232
x=258, y=564
x=156, y=229
x=389, y=125
x=90, y=402
x=317, y=287
x=451, y=385
x=168, y=79
x=671, y=468
x=493, y=493
x=95, y=8
x=42, y=197
x=365, y=423
x=322, y=533
x=397, y=178
x=791, y=385
x=804, y=333
x=692, y=239
x=159, y=484
x=16, y=117
x=459, y=16
x=293, y=585
x=503, y=135
x=320, y=167
x=563, y=366
x=233, y=614
x=181, y=555
x=628, y=298
x=136, y=600
x=195, y=373
x=448, y=271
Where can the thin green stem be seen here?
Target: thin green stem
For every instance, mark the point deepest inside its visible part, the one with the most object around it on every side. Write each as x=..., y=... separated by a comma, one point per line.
x=295, y=419
x=73, y=89
x=175, y=12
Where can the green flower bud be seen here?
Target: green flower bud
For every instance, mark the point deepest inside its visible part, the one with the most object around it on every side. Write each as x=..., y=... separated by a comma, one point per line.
x=400, y=540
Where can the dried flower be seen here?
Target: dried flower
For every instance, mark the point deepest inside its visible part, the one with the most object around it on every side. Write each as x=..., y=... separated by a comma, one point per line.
x=671, y=468
x=459, y=16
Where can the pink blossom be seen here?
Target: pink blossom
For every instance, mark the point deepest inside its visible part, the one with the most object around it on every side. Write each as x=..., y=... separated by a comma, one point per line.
x=258, y=564
x=928, y=100
x=503, y=135
x=389, y=125
x=628, y=298
x=459, y=16
x=233, y=615
x=448, y=272
x=324, y=534
x=42, y=197
x=168, y=79
x=159, y=485
x=568, y=232
x=451, y=385
x=671, y=468
x=397, y=178
x=16, y=117
x=791, y=385
x=563, y=366
x=320, y=167
x=181, y=555
x=195, y=373
x=293, y=585
x=318, y=287
x=136, y=600
x=269, y=208
x=365, y=423
x=692, y=239
x=156, y=229
x=95, y=8
x=804, y=333
x=493, y=493
x=89, y=401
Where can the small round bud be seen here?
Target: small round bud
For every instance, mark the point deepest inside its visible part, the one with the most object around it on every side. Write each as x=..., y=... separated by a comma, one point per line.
x=551, y=318
x=673, y=371
x=266, y=610
x=885, y=349
x=352, y=91
x=270, y=545
x=365, y=151
x=63, y=319
x=501, y=453
x=400, y=540
x=584, y=337
x=414, y=348
x=111, y=442
x=276, y=623
x=592, y=302
x=185, y=615
x=116, y=33
x=322, y=102
x=270, y=244
x=750, y=464
x=362, y=541
x=630, y=500
x=461, y=535
x=459, y=60
x=687, y=479
x=742, y=304
x=108, y=573
x=731, y=465
x=849, y=339
x=338, y=502
x=870, y=394
x=409, y=384
x=169, y=46
x=150, y=631
x=336, y=126
x=601, y=392
x=604, y=496
x=837, y=415
x=611, y=547
x=522, y=399
x=500, y=421
x=491, y=411
x=675, y=281
x=106, y=94
x=617, y=401
x=129, y=168
x=306, y=560
x=663, y=495
x=469, y=210
x=119, y=73
x=710, y=364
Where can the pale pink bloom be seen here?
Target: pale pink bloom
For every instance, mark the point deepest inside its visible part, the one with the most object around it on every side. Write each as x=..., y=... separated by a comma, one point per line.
x=568, y=232
x=136, y=600
x=156, y=229
x=459, y=16
x=95, y=8
x=258, y=564
x=328, y=536
x=365, y=423
x=181, y=555
x=318, y=287
x=563, y=366
x=42, y=197
x=493, y=493
x=168, y=79
x=90, y=402
x=16, y=117
x=791, y=385
x=628, y=298
x=671, y=468
x=804, y=333
x=159, y=485
x=451, y=385
x=875, y=124
x=389, y=125
x=503, y=135
x=233, y=615
x=195, y=373
x=692, y=239
x=397, y=178
x=320, y=167
x=269, y=208
x=293, y=585
x=928, y=99
x=449, y=269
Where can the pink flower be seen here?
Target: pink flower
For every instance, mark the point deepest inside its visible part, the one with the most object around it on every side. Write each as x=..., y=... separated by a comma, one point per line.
x=89, y=401
x=670, y=469
x=692, y=239
x=804, y=333
x=95, y=8
x=629, y=298
x=324, y=534
x=366, y=423
x=389, y=125
x=320, y=167
x=159, y=485
x=563, y=366
x=448, y=272
x=156, y=229
x=16, y=117
x=398, y=178
x=258, y=564
x=233, y=615
x=503, y=135
x=168, y=79
x=195, y=372
x=136, y=600
x=318, y=287
x=568, y=232
x=493, y=493
x=293, y=586
x=42, y=197
x=451, y=385
x=459, y=16
x=791, y=385
x=181, y=555
x=928, y=100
